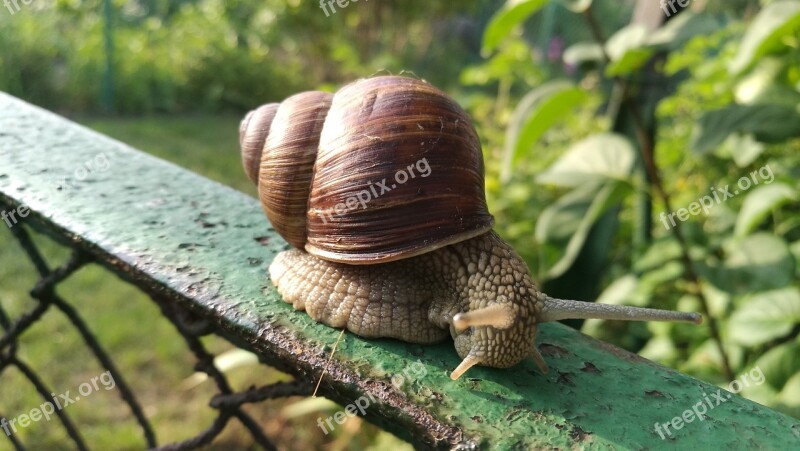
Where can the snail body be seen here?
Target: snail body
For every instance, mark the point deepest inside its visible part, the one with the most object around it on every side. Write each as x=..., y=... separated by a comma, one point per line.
x=379, y=189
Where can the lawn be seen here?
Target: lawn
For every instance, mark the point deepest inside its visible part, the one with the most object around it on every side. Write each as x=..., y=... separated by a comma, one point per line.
x=149, y=352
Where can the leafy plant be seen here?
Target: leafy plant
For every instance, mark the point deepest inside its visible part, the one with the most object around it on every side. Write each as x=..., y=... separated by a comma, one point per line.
x=704, y=101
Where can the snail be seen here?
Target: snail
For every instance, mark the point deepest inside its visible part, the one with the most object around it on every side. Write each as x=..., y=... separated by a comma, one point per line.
x=379, y=190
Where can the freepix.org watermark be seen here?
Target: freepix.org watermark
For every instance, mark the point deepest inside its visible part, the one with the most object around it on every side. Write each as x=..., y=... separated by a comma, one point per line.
x=362, y=198
x=325, y=4
x=59, y=402
x=99, y=163
x=416, y=370
x=698, y=411
x=13, y=5
x=718, y=196
x=669, y=6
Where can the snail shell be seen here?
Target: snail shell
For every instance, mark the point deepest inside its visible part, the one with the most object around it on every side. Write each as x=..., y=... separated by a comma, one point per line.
x=339, y=174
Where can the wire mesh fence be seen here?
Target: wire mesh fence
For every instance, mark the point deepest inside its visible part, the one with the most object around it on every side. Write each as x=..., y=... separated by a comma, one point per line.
x=227, y=402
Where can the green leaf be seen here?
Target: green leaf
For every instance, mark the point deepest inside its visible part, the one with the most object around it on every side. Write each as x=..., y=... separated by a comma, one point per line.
x=794, y=248
x=511, y=63
x=627, y=50
x=719, y=301
x=576, y=6
x=678, y=31
x=632, y=61
x=788, y=400
x=583, y=52
x=765, y=316
x=629, y=37
x=659, y=349
x=535, y=114
x=657, y=277
x=658, y=253
x=513, y=13
x=619, y=291
x=597, y=157
x=744, y=149
x=768, y=123
x=561, y=219
x=779, y=364
x=762, y=393
x=706, y=359
x=568, y=221
x=759, y=203
x=759, y=80
x=756, y=263
x=772, y=24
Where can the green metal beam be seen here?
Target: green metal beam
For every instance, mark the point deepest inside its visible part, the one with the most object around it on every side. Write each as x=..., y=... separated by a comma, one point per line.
x=206, y=247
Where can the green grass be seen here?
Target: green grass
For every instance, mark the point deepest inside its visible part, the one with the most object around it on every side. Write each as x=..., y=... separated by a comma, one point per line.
x=148, y=351
x=208, y=145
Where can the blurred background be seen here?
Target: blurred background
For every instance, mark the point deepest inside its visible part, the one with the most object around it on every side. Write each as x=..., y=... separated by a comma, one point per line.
x=599, y=119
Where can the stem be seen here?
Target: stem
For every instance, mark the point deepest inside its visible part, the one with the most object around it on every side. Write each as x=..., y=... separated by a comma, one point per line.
x=647, y=147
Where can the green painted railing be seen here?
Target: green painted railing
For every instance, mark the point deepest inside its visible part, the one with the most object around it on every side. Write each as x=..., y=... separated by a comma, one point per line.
x=201, y=249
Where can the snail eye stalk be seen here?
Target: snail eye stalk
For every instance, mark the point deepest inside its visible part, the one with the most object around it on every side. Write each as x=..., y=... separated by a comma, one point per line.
x=500, y=316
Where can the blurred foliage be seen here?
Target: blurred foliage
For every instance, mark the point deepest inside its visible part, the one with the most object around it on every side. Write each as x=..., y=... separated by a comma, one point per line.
x=214, y=55
x=561, y=92
x=717, y=91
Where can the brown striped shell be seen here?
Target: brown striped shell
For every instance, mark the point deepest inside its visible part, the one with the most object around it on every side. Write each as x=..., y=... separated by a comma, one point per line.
x=386, y=168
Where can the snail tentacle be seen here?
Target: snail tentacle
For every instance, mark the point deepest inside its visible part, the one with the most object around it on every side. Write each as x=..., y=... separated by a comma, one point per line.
x=559, y=309
x=539, y=360
x=500, y=316
x=469, y=361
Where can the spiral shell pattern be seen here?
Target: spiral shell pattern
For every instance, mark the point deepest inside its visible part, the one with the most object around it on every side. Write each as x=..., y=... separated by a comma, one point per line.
x=386, y=168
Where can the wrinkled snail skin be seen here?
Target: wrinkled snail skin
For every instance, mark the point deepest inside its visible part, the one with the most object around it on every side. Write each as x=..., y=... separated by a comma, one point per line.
x=415, y=299
x=417, y=261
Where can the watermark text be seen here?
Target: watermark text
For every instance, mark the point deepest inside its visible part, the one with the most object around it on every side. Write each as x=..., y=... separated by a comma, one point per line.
x=416, y=370
x=99, y=163
x=325, y=4
x=718, y=195
x=13, y=5
x=698, y=411
x=58, y=403
x=669, y=6
x=377, y=189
